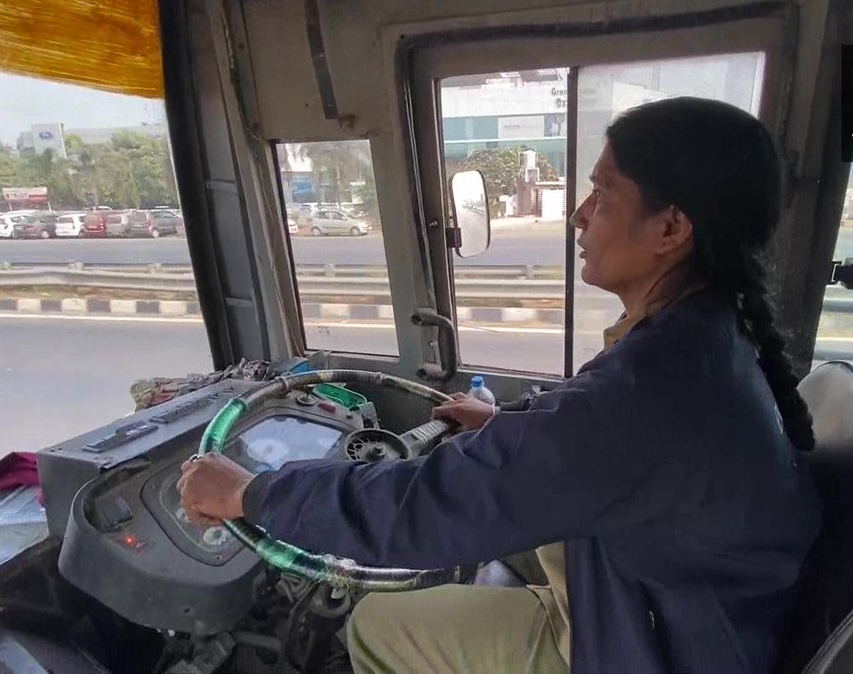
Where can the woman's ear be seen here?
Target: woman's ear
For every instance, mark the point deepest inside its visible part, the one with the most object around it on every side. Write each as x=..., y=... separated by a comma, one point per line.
x=676, y=231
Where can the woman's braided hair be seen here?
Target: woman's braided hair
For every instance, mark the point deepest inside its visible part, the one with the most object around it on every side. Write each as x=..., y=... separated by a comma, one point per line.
x=717, y=164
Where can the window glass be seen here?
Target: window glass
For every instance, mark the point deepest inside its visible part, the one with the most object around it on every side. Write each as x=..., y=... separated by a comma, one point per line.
x=512, y=127
x=67, y=353
x=606, y=91
x=340, y=261
x=514, y=133
x=835, y=330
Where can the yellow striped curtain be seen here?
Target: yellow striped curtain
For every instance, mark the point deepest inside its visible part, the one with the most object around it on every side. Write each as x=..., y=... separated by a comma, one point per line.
x=112, y=45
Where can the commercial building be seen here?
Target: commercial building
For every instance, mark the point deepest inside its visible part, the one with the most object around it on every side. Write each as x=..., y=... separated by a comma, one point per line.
x=42, y=137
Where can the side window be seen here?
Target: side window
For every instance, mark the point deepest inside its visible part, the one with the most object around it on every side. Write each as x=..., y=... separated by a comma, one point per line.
x=65, y=152
x=341, y=272
x=510, y=301
x=835, y=330
x=511, y=126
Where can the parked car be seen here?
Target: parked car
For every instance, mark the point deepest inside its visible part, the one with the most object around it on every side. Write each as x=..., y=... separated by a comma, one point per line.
x=45, y=225
x=95, y=223
x=118, y=224
x=36, y=227
x=8, y=226
x=71, y=224
x=168, y=221
x=153, y=223
x=332, y=221
x=292, y=220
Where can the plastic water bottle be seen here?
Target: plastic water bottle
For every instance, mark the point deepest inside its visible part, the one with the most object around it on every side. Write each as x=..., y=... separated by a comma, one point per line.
x=480, y=392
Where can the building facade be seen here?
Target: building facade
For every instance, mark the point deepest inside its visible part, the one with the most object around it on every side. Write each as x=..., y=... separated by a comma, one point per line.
x=42, y=137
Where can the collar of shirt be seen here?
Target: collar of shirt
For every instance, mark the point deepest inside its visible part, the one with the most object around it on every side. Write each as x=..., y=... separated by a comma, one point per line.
x=655, y=304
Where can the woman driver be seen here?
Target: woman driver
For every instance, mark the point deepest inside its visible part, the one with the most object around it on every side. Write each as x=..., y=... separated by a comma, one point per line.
x=662, y=485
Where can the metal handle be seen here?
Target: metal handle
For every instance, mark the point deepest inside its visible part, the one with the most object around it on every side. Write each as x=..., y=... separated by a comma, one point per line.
x=447, y=345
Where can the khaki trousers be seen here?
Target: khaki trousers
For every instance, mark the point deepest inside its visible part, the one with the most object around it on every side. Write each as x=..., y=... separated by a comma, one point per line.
x=453, y=629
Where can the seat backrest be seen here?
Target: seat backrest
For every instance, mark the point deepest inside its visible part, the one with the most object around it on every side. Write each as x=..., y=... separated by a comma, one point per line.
x=826, y=597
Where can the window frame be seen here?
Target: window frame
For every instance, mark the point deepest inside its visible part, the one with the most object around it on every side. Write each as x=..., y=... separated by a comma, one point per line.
x=577, y=46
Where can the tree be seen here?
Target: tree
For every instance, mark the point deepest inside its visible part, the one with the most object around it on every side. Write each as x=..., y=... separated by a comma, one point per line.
x=335, y=164
x=8, y=167
x=147, y=158
x=501, y=170
x=117, y=186
x=132, y=171
x=368, y=206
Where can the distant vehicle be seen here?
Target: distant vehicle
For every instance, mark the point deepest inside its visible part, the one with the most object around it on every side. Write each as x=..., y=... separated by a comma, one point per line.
x=11, y=226
x=292, y=220
x=153, y=223
x=36, y=227
x=174, y=211
x=71, y=224
x=118, y=224
x=332, y=221
x=95, y=224
x=42, y=225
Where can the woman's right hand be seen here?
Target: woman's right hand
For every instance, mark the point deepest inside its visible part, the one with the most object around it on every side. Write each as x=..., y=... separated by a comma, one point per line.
x=469, y=413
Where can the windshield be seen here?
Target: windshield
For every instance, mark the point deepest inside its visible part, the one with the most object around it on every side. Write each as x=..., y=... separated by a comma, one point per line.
x=74, y=343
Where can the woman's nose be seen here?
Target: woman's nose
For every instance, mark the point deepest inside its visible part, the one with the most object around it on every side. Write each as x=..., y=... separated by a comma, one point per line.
x=574, y=219
x=580, y=218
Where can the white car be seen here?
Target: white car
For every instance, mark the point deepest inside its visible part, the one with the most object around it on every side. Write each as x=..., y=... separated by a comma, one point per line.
x=332, y=221
x=71, y=224
x=7, y=224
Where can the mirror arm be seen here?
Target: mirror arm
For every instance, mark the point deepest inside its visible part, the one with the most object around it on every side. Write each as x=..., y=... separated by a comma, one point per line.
x=447, y=345
x=841, y=273
x=453, y=237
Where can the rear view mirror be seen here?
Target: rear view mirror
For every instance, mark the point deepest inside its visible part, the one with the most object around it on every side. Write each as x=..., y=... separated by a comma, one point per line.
x=470, y=206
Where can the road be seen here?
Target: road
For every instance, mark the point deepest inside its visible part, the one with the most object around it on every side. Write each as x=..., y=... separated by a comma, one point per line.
x=363, y=250
x=508, y=247
x=62, y=377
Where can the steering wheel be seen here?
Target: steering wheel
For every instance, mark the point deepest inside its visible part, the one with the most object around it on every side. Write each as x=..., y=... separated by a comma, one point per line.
x=336, y=571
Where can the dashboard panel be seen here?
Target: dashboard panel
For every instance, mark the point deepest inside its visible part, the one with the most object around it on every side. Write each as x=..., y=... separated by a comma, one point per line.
x=265, y=445
x=152, y=566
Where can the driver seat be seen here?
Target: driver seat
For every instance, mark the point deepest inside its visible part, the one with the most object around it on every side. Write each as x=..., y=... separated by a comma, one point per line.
x=819, y=638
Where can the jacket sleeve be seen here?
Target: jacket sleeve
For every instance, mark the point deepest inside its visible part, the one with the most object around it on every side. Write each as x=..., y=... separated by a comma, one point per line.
x=525, y=479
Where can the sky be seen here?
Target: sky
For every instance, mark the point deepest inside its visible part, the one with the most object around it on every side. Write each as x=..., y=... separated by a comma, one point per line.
x=25, y=101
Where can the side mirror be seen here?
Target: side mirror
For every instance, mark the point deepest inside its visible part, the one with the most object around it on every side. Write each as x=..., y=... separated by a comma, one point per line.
x=470, y=206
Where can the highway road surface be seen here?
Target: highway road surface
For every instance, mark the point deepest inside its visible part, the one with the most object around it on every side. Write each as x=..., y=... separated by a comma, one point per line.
x=525, y=245
x=64, y=376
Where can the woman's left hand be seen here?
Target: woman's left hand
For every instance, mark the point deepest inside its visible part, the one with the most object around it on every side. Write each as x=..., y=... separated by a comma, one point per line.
x=212, y=489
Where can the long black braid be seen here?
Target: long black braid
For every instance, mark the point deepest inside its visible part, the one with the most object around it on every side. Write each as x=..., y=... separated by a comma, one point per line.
x=757, y=318
x=718, y=165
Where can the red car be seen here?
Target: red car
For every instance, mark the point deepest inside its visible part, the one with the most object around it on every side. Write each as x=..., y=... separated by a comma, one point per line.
x=95, y=224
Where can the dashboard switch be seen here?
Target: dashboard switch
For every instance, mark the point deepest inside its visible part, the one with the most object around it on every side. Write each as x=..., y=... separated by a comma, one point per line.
x=112, y=513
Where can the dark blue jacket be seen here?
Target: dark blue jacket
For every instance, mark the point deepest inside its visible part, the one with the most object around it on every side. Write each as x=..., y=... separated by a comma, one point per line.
x=663, y=464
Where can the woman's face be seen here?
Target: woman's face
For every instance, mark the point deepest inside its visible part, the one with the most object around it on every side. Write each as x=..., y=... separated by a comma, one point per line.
x=620, y=240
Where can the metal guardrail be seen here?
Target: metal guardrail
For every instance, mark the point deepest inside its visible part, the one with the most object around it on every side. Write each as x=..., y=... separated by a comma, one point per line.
x=473, y=284
x=531, y=272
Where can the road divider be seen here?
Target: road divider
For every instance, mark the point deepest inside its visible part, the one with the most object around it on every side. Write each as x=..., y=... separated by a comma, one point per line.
x=484, y=295
x=329, y=311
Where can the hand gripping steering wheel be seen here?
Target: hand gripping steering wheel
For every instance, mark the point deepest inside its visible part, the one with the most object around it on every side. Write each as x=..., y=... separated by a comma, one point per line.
x=336, y=571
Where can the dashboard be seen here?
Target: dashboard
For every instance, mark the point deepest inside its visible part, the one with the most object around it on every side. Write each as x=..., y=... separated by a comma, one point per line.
x=266, y=445
x=151, y=565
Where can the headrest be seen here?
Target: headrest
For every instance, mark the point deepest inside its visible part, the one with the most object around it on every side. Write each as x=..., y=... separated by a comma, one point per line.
x=828, y=393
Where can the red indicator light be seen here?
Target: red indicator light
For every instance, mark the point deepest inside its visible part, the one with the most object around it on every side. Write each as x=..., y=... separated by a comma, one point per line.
x=133, y=542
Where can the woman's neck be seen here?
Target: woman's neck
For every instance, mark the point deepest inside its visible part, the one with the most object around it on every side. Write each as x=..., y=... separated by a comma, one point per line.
x=662, y=289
